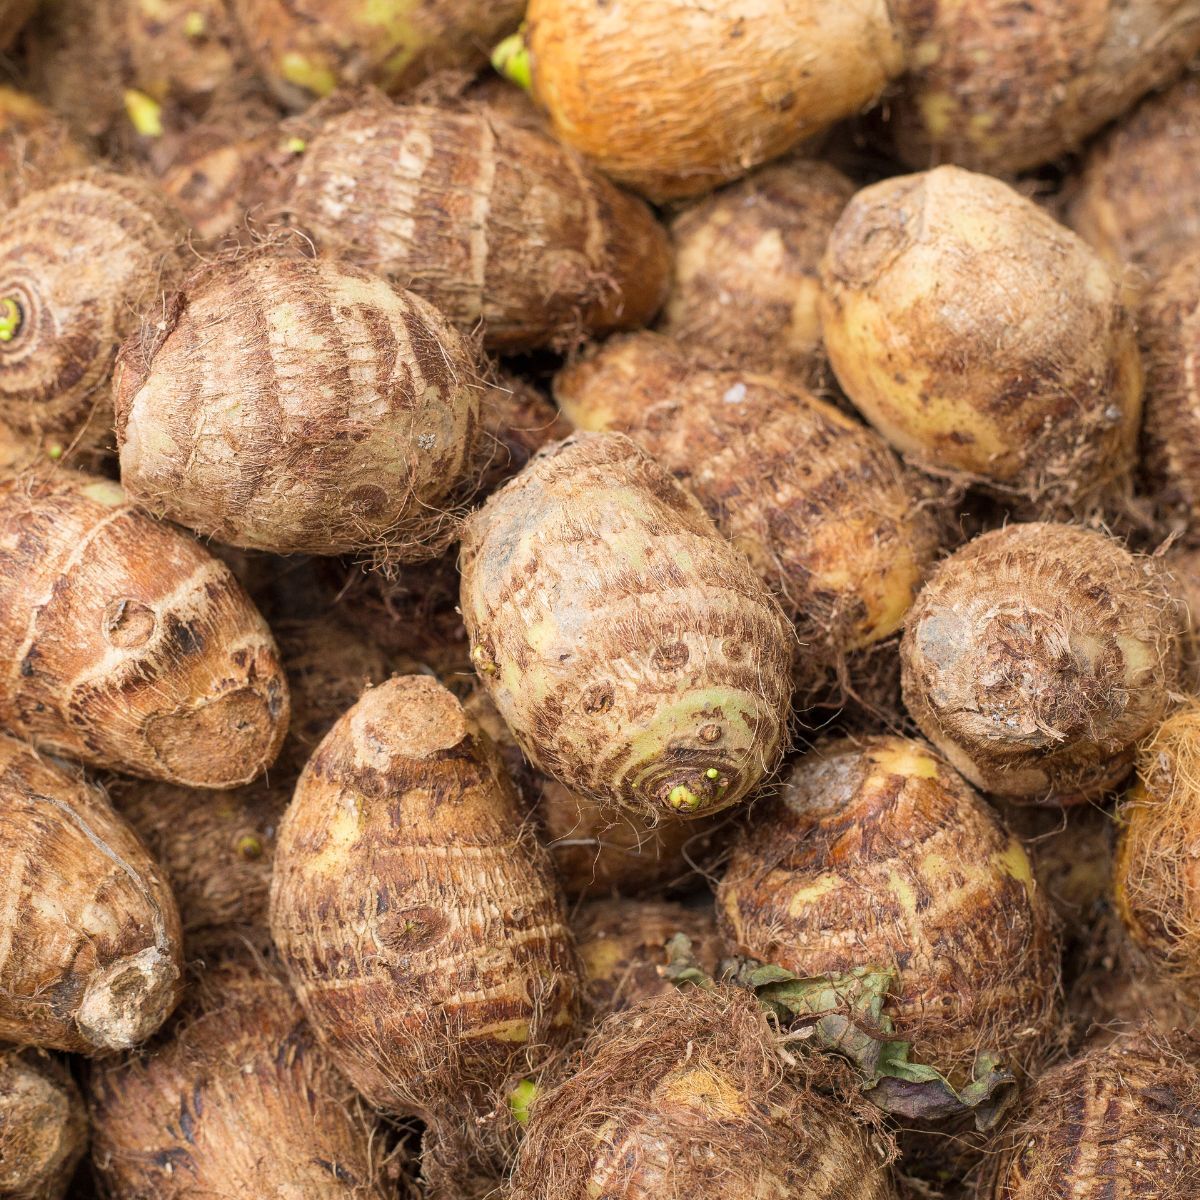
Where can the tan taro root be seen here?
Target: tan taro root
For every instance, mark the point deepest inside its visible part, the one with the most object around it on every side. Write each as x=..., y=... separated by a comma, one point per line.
x=290, y=404
x=80, y=262
x=420, y=923
x=90, y=936
x=1117, y=1121
x=982, y=338
x=747, y=280
x=236, y=1100
x=876, y=854
x=684, y=1097
x=43, y=1126
x=496, y=224
x=627, y=645
x=678, y=97
x=35, y=146
x=1002, y=88
x=821, y=507
x=127, y=645
x=1037, y=655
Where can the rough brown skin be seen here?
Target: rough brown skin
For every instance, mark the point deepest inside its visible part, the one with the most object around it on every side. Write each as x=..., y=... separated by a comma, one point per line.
x=126, y=645
x=877, y=854
x=684, y=1097
x=629, y=648
x=496, y=224
x=746, y=280
x=356, y=415
x=678, y=97
x=1117, y=1121
x=1028, y=382
x=238, y=1100
x=81, y=260
x=419, y=921
x=820, y=506
x=517, y=421
x=89, y=933
x=35, y=146
x=999, y=88
x=13, y=15
x=1183, y=568
x=43, y=1126
x=1037, y=655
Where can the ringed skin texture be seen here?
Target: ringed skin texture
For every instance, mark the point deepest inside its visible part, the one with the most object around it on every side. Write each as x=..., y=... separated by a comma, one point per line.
x=420, y=923
x=822, y=508
x=299, y=405
x=683, y=1097
x=875, y=853
x=626, y=644
x=983, y=339
x=496, y=224
x=675, y=98
x=237, y=1100
x=1036, y=657
x=90, y=936
x=43, y=1126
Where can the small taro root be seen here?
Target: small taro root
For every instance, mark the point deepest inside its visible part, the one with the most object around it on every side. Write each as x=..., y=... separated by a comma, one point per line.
x=1037, y=655
x=747, y=281
x=1119, y=1120
x=80, y=261
x=419, y=920
x=683, y=1097
x=35, y=146
x=128, y=645
x=90, y=935
x=496, y=224
x=516, y=421
x=820, y=506
x=627, y=645
x=877, y=855
x=43, y=1126
x=1003, y=88
x=1028, y=382
x=678, y=97
x=237, y=1100
x=291, y=404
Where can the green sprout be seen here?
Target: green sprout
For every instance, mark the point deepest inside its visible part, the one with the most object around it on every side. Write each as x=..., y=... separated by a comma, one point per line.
x=511, y=59
x=521, y=1100
x=295, y=145
x=144, y=112
x=55, y=451
x=249, y=847
x=11, y=319
x=682, y=797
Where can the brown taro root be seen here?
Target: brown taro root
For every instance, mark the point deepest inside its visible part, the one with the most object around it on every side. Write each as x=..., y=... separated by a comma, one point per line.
x=684, y=1097
x=90, y=937
x=819, y=505
x=999, y=87
x=291, y=404
x=35, y=146
x=494, y=223
x=516, y=421
x=1037, y=655
x=982, y=338
x=627, y=645
x=1183, y=569
x=746, y=281
x=876, y=855
x=43, y=1126
x=420, y=923
x=237, y=1101
x=127, y=644
x=677, y=97
x=80, y=261
x=1117, y=1121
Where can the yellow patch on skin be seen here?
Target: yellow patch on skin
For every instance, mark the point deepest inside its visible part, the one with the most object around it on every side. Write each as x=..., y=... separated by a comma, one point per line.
x=1014, y=862
x=144, y=112
x=341, y=833
x=937, y=111
x=696, y=1087
x=801, y=898
x=305, y=73
x=104, y=492
x=516, y=1032
x=903, y=891
x=905, y=759
x=600, y=958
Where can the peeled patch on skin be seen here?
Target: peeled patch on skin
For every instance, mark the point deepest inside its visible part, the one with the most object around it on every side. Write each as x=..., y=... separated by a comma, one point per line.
x=629, y=647
x=43, y=1126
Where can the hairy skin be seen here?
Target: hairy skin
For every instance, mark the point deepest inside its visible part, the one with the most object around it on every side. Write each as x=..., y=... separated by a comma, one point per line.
x=517, y=421
x=1182, y=563
x=36, y=147
x=90, y=956
x=629, y=648
x=1037, y=655
x=43, y=1126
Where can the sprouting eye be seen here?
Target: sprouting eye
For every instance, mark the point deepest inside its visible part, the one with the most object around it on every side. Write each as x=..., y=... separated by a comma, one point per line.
x=12, y=318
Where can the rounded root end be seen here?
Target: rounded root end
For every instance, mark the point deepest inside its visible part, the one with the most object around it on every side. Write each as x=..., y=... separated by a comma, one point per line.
x=127, y=1001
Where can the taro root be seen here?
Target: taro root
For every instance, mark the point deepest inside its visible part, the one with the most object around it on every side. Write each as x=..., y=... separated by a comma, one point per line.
x=683, y=1097
x=1183, y=568
x=420, y=923
x=747, y=280
x=628, y=647
x=36, y=147
x=43, y=1126
x=820, y=506
x=287, y=404
x=1002, y=88
x=517, y=421
x=237, y=1100
x=129, y=645
x=1037, y=655
x=876, y=856
x=90, y=936
x=496, y=224
x=678, y=97
x=983, y=339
